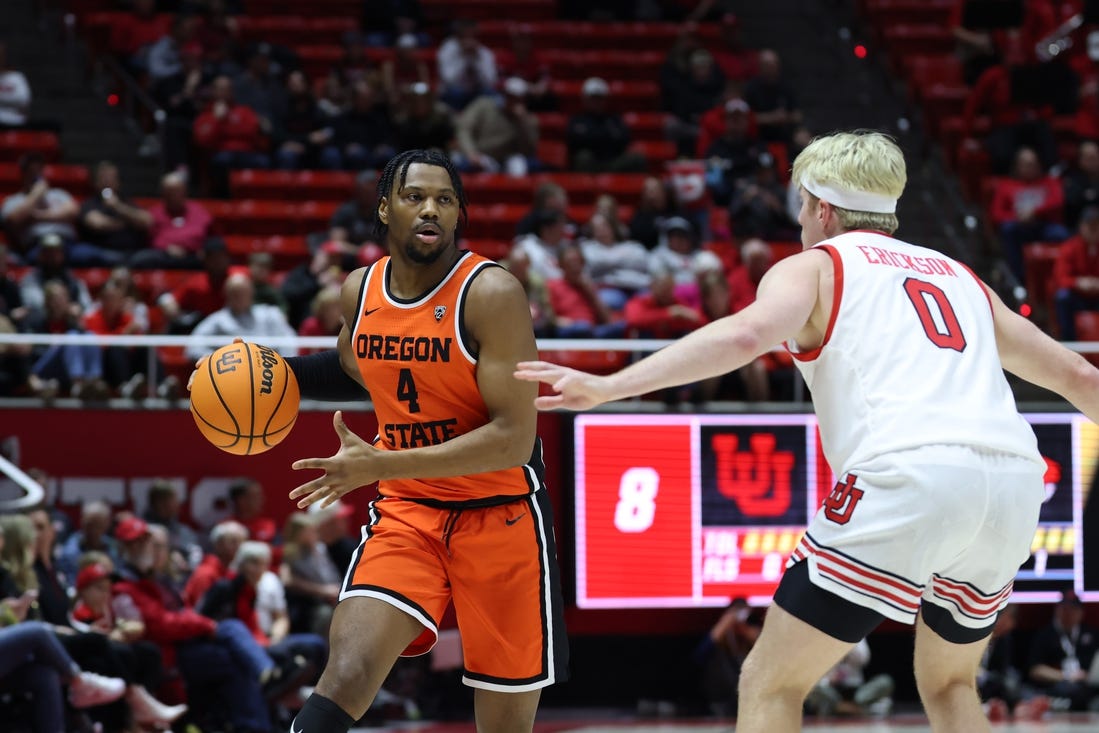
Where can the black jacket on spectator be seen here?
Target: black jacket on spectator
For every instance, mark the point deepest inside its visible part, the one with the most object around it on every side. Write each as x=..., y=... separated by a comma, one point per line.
x=605, y=136
x=1046, y=647
x=425, y=133
x=766, y=96
x=53, y=601
x=126, y=239
x=736, y=159
x=298, y=288
x=220, y=601
x=302, y=118
x=10, y=297
x=369, y=129
x=688, y=100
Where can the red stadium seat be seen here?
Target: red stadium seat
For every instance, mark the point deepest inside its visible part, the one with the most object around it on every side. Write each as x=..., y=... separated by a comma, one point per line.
x=596, y=362
x=288, y=252
x=72, y=178
x=295, y=30
x=625, y=96
x=15, y=143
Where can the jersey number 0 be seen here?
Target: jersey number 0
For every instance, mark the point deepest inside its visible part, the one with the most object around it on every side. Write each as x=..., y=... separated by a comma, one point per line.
x=943, y=331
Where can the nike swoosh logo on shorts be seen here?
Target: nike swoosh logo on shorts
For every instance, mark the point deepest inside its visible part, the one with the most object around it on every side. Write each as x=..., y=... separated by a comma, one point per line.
x=513, y=520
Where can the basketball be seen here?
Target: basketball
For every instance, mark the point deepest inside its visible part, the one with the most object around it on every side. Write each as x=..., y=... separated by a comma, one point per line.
x=244, y=399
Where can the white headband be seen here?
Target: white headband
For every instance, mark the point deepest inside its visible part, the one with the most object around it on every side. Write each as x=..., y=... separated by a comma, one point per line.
x=850, y=199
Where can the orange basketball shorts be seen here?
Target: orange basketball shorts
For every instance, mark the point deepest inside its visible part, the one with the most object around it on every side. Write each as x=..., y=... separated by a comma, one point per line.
x=499, y=567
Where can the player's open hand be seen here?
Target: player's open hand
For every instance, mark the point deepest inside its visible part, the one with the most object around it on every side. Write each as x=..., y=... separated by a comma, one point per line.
x=351, y=467
x=575, y=390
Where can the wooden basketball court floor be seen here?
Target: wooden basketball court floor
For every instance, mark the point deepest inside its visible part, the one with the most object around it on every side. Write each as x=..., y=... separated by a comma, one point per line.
x=894, y=724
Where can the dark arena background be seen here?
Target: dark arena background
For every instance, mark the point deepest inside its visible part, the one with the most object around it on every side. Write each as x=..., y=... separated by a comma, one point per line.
x=174, y=173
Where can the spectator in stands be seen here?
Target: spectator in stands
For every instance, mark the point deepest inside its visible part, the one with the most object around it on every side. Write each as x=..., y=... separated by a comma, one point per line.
x=844, y=690
x=758, y=205
x=74, y=368
x=542, y=247
x=303, y=129
x=123, y=366
x=353, y=221
x=579, y=312
x=1076, y=274
x=363, y=136
x=525, y=62
x=404, y=70
x=691, y=98
x=184, y=545
x=242, y=316
x=534, y=285
x=756, y=258
x=722, y=652
x=306, y=280
x=675, y=70
x=219, y=659
x=385, y=20
x=711, y=125
x=225, y=539
x=202, y=293
x=11, y=299
x=332, y=100
x=15, y=94
x=14, y=363
x=606, y=206
x=548, y=196
x=39, y=209
x=1061, y=655
x=262, y=91
x=261, y=268
x=1027, y=208
x=495, y=136
x=52, y=266
x=1081, y=183
x=356, y=66
x=312, y=580
x=333, y=531
x=734, y=156
x=467, y=68
x=618, y=267
x=179, y=229
x=662, y=313
x=1015, y=123
x=231, y=133
x=999, y=683
x=653, y=207
x=680, y=255
x=236, y=595
x=772, y=100
x=326, y=314
x=752, y=381
x=134, y=33
x=422, y=122
x=165, y=56
x=247, y=500
x=95, y=525
x=217, y=34
x=179, y=96
x=736, y=62
x=109, y=221
x=598, y=139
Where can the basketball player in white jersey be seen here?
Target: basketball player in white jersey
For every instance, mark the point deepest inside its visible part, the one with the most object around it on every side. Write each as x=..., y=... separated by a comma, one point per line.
x=940, y=479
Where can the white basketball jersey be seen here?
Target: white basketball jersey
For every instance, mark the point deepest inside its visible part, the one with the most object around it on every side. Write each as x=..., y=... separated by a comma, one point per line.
x=909, y=357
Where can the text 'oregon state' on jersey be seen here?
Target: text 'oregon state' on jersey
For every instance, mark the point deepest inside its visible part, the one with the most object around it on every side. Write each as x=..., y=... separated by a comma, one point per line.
x=418, y=364
x=909, y=357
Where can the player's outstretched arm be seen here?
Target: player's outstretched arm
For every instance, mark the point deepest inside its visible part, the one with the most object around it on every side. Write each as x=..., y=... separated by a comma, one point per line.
x=1030, y=354
x=785, y=301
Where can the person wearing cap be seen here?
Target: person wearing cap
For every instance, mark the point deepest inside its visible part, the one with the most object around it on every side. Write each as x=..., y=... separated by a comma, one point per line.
x=467, y=68
x=208, y=654
x=941, y=481
x=51, y=265
x=1061, y=656
x=733, y=156
x=179, y=228
x=39, y=209
x=1076, y=274
x=598, y=138
x=404, y=70
x=495, y=135
x=679, y=254
x=242, y=317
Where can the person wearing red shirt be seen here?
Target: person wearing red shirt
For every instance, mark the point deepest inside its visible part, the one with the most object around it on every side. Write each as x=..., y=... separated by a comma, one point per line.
x=660, y=313
x=1028, y=207
x=326, y=318
x=231, y=133
x=202, y=293
x=135, y=32
x=112, y=318
x=180, y=228
x=225, y=539
x=1076, y=274
x=247, y=499
x=574, y=298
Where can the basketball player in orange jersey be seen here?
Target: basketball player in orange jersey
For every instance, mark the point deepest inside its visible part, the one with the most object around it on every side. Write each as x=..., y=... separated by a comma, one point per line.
x=433, y=332
x=940, y=478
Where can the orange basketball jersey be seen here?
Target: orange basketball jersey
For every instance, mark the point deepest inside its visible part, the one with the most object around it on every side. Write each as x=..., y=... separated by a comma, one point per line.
x=418, y=363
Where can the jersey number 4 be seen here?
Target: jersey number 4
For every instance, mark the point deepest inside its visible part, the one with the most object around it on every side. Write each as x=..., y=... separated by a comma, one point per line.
x=936, y=314
x=406, y=390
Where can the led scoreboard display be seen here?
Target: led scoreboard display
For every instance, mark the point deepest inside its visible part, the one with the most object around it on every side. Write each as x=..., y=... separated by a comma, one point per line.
x=692, y=510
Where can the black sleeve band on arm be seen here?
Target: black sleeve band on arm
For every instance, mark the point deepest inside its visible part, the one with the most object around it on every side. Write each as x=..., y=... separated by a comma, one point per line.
x=321, y=377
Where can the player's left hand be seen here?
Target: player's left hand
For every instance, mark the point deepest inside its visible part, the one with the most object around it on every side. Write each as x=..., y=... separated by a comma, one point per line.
x=344, y=472
x=575, y=390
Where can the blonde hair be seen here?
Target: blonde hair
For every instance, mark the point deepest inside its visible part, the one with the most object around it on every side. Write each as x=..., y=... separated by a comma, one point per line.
x=18, y=553
x=296, y=523
x=863, y=160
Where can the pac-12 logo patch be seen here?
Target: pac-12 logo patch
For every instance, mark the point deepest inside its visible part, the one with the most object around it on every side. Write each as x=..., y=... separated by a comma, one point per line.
x=440, y=311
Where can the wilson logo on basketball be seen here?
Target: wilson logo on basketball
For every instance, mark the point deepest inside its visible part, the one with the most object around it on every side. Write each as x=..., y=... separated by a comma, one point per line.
x=268, y=360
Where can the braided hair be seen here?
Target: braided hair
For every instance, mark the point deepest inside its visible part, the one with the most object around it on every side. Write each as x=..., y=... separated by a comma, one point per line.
x=397, y=167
